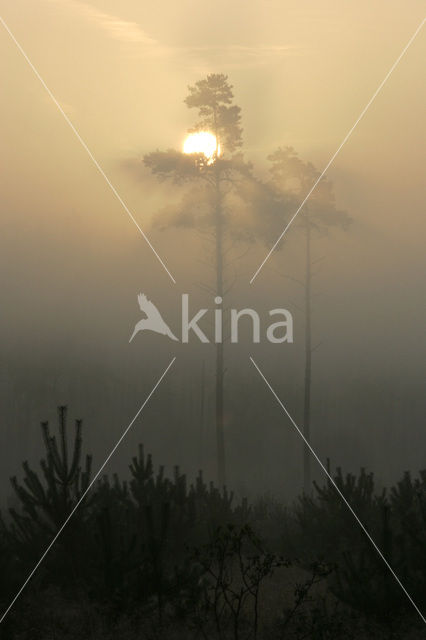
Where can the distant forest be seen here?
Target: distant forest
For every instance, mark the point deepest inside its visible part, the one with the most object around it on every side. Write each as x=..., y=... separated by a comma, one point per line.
x=151, y=557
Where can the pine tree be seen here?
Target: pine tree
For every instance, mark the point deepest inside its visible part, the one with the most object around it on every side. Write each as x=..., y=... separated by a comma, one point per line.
x=292, y=179
x=206, y=204
x=45, y=503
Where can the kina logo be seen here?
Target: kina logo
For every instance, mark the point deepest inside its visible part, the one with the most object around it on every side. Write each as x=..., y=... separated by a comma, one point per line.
x=153, y=320
x=276, y=332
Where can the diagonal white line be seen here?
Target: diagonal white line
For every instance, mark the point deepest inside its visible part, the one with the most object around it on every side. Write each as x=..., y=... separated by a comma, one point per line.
x=345, y=139
x=84, y=494
x=338, y=490
x=86, y=148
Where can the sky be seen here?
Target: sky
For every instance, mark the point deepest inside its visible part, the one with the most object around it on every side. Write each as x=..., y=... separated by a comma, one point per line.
x=72, y=262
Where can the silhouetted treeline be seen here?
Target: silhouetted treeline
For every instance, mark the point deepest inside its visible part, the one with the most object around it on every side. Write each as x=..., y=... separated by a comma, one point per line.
x=153, y=557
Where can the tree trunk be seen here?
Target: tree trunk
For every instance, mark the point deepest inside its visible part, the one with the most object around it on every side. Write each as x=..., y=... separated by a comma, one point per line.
x=308, y=364
x=220, y=436
x=201, y=420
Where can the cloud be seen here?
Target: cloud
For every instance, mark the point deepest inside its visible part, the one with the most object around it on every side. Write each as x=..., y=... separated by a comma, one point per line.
x=122, y=30
x=131, y=33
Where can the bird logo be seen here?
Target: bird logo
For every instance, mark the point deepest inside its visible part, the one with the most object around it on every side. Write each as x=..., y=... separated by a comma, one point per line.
x=153, y=320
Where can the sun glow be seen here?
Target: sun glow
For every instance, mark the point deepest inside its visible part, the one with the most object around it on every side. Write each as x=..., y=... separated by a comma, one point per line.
x=202, y=142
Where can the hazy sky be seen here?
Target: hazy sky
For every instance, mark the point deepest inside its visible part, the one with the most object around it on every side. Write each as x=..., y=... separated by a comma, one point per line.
x=71, y=260
x=302, y=72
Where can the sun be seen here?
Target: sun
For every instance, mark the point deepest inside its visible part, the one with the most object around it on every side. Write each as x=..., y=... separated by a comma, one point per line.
x=202, y=142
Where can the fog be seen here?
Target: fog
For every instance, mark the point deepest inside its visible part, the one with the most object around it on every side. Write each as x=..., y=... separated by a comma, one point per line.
x=72, y=262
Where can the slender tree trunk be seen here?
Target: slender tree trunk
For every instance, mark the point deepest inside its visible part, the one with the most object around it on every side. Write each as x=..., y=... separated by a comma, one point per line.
x=220, y=436
x=201, y=419
x=308, y=364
